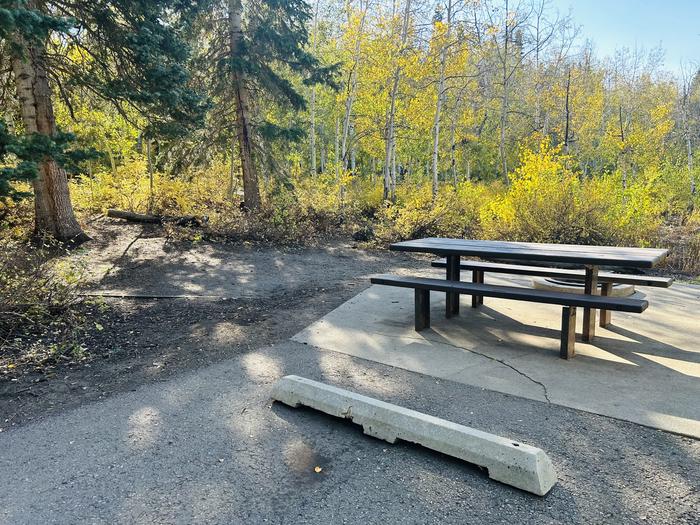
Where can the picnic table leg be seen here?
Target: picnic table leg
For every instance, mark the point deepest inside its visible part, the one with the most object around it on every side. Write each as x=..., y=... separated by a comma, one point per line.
x=568, y=332
x=477, y=277
x=591, y=288
x=422, y=303
x=605, y=315
x=452, y=298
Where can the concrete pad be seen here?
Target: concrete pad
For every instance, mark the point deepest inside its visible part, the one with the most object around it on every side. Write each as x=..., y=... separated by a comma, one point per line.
x=642, y=368
x=510, y=462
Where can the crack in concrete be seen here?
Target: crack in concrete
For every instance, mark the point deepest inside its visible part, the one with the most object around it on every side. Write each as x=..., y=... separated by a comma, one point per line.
x=514, y=369
x=545, y=392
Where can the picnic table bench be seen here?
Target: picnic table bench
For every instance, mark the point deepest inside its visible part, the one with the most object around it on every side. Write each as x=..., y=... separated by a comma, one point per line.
x=590, y=257
x=606, y=279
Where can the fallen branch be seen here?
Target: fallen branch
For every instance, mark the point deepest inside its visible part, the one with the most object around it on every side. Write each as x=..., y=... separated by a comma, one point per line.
x=134, y=217
x=185, y=220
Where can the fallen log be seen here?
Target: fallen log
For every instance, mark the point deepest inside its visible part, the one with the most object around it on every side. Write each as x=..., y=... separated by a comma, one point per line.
x=184, y=220
x=134, y=217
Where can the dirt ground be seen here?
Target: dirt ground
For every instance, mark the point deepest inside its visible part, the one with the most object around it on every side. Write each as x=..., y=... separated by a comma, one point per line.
x=174, y=306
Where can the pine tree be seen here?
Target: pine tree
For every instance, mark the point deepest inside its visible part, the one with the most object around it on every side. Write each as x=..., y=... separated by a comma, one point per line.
x=254, y=49
x=24, y=170
x=127, y=52
x=18, y=154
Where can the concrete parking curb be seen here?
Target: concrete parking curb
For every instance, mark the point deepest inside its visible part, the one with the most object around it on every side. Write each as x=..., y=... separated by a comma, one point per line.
x=517, y=464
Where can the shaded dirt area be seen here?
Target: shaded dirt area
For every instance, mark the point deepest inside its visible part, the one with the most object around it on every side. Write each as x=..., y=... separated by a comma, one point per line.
x=171, y=307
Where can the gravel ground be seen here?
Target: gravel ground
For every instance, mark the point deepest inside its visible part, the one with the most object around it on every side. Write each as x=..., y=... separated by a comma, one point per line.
x=209, y=447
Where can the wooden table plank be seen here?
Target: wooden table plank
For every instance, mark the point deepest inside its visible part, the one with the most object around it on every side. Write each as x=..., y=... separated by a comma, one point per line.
x=569, y=253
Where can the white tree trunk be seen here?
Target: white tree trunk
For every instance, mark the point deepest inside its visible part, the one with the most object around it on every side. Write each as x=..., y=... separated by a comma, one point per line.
x=52, y=205
x=338, y=162
x=504, y=103
x=393, y=171
x=353, y=152
x=690, y=165
x=440, y=98
x=453, y=160
x=390, y=133
x=352, y=84
x=312, y=106
x=688, y=134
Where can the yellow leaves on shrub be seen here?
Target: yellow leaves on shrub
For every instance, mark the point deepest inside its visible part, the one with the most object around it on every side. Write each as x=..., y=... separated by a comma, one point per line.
x=547, y=202
x=126, y=188
x=453, y=213
x=321, y=193
x=201, y=192
x=541, y=202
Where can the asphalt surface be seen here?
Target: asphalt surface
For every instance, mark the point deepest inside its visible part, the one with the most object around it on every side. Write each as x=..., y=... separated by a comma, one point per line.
x=209, y=447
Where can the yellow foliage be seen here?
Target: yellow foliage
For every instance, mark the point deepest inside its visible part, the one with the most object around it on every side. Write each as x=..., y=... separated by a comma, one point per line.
x=547, y=202
x=453, y=213
x=202, y=192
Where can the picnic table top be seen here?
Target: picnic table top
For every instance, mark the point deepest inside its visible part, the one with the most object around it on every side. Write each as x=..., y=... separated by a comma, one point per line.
x=532, y=251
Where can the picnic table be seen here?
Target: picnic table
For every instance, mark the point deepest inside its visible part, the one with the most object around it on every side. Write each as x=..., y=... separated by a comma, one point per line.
x=589, y=258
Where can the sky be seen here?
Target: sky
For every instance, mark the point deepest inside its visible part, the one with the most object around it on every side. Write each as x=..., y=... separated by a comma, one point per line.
x=611, y=24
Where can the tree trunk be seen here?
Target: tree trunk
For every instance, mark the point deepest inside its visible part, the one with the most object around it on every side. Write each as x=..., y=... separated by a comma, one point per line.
x=232, y=174
x=352, y=84
x=53, y=211
x=390, y=134
x=504, y=104
x=567, y=113
x=112, y=160
x=312, y=133
x=623, y=152
x=353, y=151
x=324, y=153
x=151, y=196
x=690, y=165
x=387, y=151
x=337, y=153
x=393, y=172
x=251, y=189
x=312, y=107
x=688, y=135
x=538, y=83
x=453, y=160
x=440, y=98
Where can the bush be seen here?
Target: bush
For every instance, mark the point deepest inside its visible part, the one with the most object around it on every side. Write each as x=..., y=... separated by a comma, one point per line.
x=547, y=202
x=288, y=213
x=453, y=213
x=683, y=243
x=39, y=314
x=202, y=192
x=17, y=217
